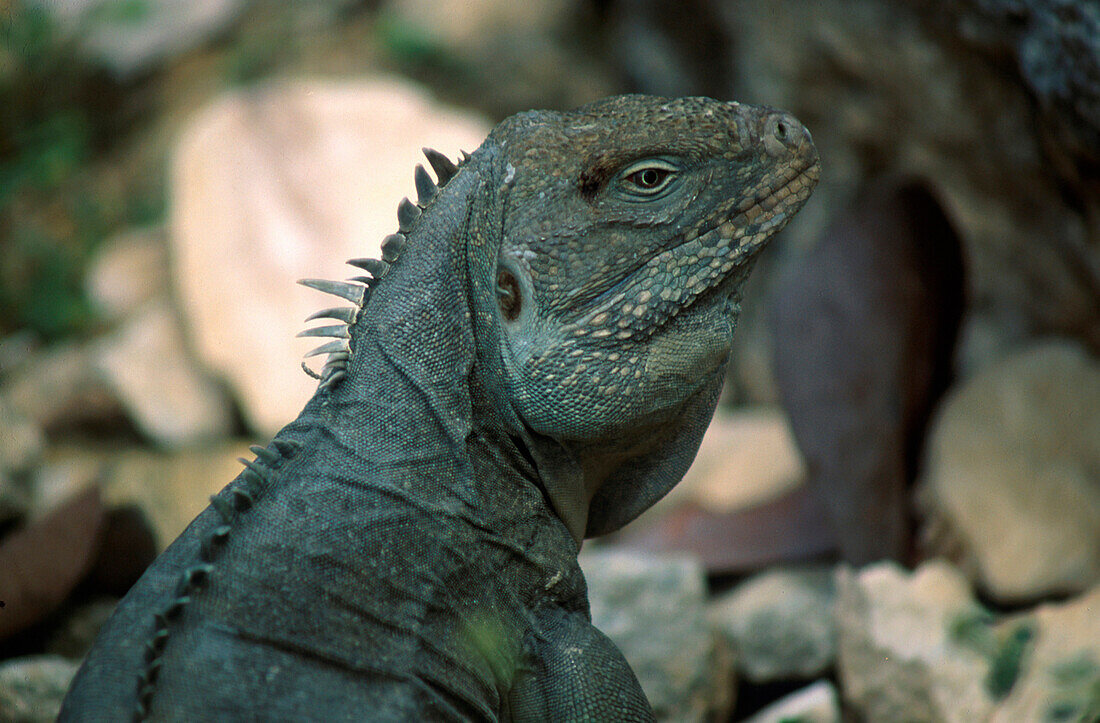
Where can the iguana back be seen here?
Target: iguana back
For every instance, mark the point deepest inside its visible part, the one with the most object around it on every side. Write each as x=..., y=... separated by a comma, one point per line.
x=533, y=360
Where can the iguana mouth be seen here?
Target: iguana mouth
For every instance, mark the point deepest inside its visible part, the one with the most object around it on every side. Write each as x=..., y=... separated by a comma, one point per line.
x=669, y=282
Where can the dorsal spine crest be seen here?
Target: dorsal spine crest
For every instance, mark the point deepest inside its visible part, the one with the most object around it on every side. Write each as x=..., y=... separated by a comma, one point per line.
x=358, y=289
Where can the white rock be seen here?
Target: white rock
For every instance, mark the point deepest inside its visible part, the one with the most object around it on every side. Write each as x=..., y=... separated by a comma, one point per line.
x=1011, y=474
x=899, y=657
x=289, y=181
x=167, y=397
x=816, y=703
x=128, y=271
x=780, y=624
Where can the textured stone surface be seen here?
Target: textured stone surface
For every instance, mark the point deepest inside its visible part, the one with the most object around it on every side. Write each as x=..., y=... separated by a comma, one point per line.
x=780, y=624
x=1011, y=484
x=817, y=703
x=653, y=609
x=898, y=656
x=31, y=688
x=285, y=182
x=21, y=444
x=147, y=365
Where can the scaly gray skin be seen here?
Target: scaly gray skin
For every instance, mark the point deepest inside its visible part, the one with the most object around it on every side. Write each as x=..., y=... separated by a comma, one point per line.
x=538, y=365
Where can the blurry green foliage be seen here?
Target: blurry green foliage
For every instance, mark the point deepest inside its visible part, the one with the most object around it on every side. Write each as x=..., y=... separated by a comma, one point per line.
x=58, y=113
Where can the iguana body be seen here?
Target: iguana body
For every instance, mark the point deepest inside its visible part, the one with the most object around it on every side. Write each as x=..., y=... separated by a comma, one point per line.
x=538, y=365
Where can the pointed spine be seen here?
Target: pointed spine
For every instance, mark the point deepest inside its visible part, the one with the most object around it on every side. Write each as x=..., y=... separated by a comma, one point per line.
x=444, y=168
x=425, y=186
x=391, y=247
x=407, y=213
x=345, y=314
x=375, y=267
x=339, y=331
x=351, y=292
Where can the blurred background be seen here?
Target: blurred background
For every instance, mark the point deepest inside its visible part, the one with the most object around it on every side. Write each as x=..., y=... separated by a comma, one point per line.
x=896, y=513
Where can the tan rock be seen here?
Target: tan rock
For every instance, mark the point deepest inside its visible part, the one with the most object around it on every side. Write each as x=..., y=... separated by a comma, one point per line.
x=171, y=487
x=1010, y=483
x=129, y=270
x=747, y=457
x=151, y=372
x=284, y=182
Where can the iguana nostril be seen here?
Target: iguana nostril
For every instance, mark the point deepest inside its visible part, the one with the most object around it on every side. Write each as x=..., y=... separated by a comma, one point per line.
x=781, y=135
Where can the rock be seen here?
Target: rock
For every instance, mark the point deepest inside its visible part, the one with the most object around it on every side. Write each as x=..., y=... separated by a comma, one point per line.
x=284, y=182
x=814, y=704
x=780, y=624
x=134, y=37
x=128, y=271
x=653, y=610
x=60, y=388
x=31, y=688
x=1010, y=483
x=1059, y=676
x=901, y=655
x=147, y=365
x=865, y=328
x=41, y=562
x=21, y=444
x=65, y=470
x=171, y=488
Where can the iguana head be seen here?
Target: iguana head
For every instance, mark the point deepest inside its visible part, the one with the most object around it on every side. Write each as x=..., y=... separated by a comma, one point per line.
x=579, y=276
x=626, y=230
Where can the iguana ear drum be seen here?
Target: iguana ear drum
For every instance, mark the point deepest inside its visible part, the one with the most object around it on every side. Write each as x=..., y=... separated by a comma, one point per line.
x=508, y=295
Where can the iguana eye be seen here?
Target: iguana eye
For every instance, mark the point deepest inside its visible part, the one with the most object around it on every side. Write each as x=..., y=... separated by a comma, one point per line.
x=647, y=178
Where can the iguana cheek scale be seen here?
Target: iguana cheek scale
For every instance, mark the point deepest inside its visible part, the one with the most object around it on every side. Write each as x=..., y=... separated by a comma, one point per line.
x=533, y=360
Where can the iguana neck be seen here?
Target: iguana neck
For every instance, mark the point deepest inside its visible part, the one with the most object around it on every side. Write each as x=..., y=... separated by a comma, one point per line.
x=415, y=394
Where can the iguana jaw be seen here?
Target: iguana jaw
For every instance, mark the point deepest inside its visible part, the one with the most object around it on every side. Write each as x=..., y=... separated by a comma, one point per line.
x=674, y=280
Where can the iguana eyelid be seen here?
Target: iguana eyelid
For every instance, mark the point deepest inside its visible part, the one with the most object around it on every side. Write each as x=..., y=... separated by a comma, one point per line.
x=634, y=191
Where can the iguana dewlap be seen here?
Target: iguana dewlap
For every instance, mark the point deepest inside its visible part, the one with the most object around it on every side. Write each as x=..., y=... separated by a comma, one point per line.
x=533, y=361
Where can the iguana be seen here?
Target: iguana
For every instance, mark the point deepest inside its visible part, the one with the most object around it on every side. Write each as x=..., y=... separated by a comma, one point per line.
x=533, y=361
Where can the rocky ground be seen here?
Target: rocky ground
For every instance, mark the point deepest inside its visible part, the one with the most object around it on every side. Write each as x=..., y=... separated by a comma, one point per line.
x=916, y=376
